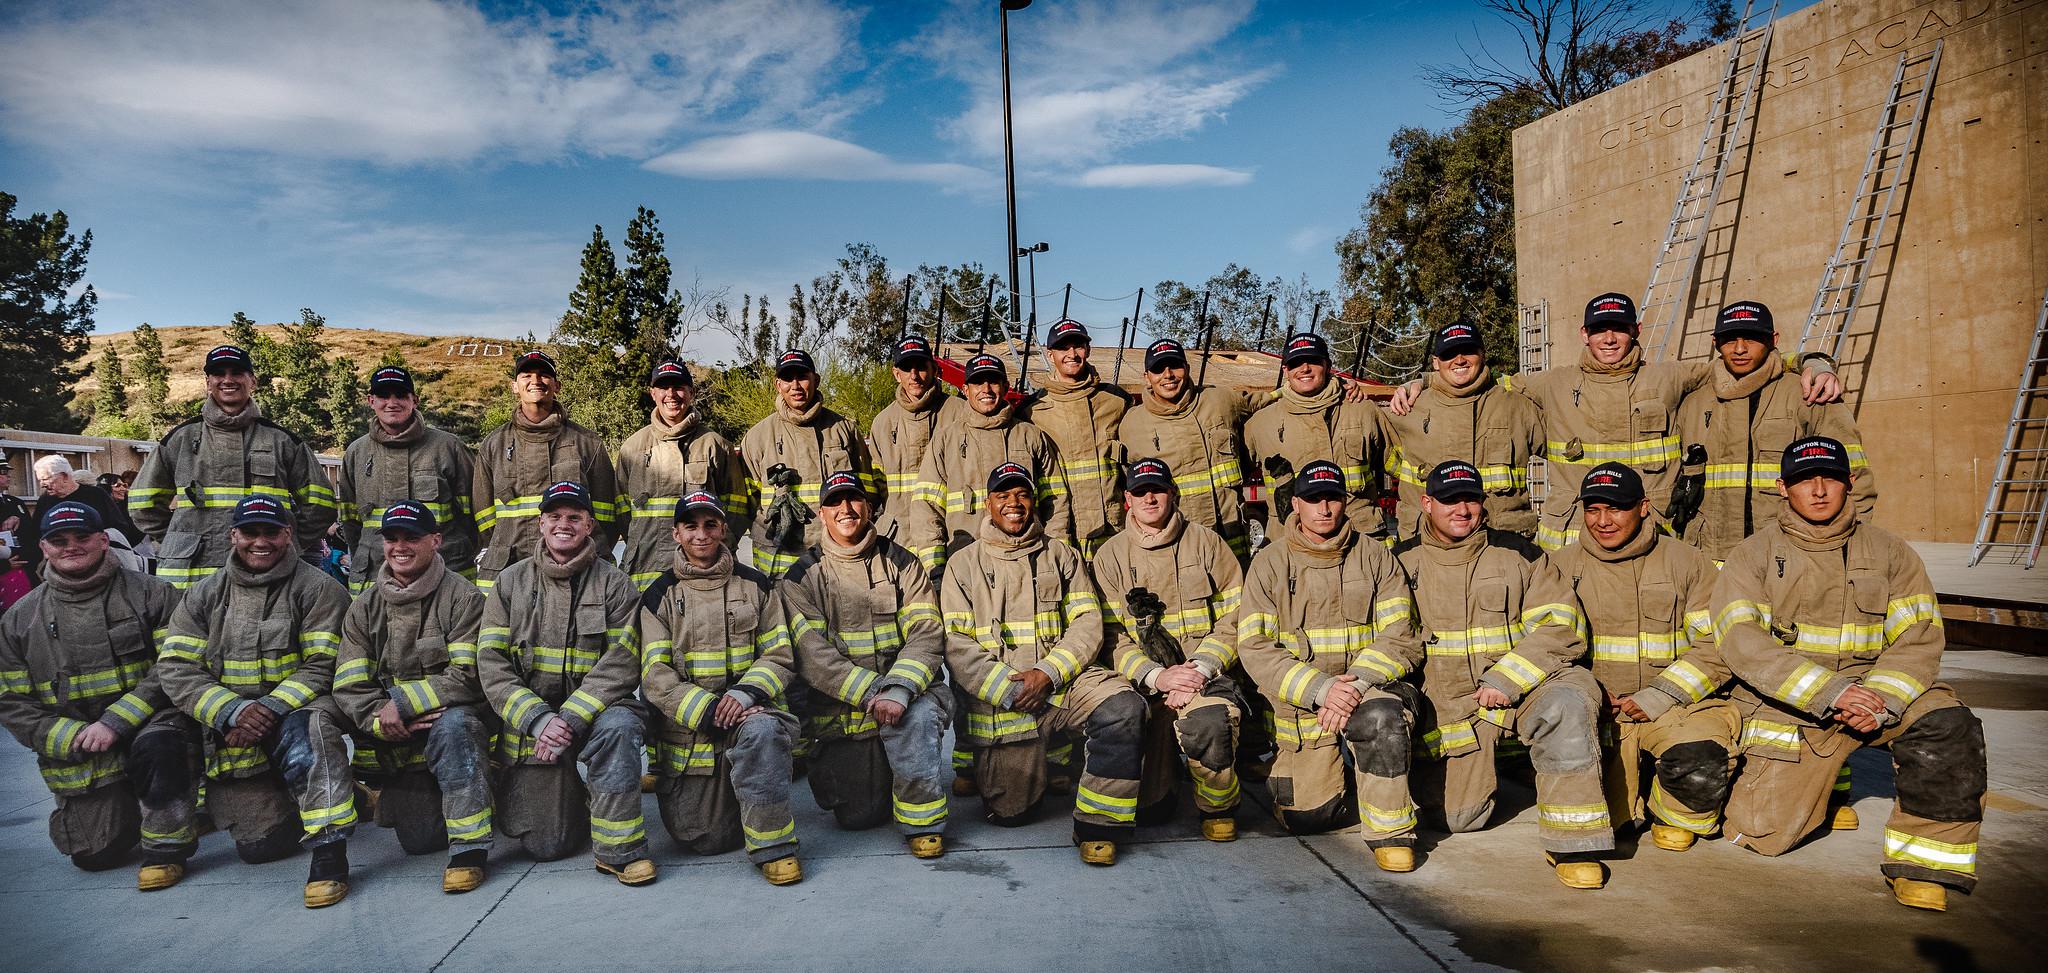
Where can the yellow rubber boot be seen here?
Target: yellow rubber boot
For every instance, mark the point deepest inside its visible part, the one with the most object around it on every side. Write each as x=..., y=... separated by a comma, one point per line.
x=927, y=846
x=1219, y=829
x=637, y=872
x=783, y=871
x=1098, y=852
x=1671, y=839
x=1915, y=894
x=153, y=877
x=1844, y=819
x=320, y=895
x=1394, y=858
x=1579, y=874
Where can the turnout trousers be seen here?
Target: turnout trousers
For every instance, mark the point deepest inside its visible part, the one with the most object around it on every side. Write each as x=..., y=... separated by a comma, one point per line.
x=1110, y=715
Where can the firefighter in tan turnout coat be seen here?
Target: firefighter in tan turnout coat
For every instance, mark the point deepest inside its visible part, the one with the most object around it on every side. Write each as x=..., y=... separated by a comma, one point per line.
x=1831, y=625
x=786, y=457
x=673, y=455
x=1197, y=432
x=717, y=663
x=1648, y=600
x=404, y=458
x=1173, y=589
x=1023, y=634
x=1505, y=639
x=538, y=447
x=1463, y=413
x=1316, y=419
x=1083, y=414
x=1327, y=631
x=870, y=642
x=78, y=686
x=957, y=462
x=900, y=434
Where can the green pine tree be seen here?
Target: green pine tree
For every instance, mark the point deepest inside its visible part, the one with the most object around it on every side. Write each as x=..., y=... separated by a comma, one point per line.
x=152, y=407
x=44, y=331
x=110, y=401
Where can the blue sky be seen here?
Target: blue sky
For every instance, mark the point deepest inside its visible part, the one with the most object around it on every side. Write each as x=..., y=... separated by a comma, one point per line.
x=436, y=165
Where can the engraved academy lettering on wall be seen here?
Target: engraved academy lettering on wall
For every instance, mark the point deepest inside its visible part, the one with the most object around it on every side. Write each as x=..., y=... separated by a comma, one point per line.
x=1886, y=39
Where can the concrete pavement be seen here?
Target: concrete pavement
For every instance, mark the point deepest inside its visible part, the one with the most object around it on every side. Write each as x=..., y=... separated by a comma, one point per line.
x=1011, y=898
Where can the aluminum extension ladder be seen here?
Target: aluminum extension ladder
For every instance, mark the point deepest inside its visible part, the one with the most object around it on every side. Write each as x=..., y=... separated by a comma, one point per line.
x=1668, y=296
x=1886, y=170
x=2016, y=505
x=1533, y=355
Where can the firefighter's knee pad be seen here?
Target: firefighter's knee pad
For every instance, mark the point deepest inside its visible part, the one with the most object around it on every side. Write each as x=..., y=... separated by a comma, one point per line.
x=1204, y=734
x=102, y=859
x=1340, y=811
x=1564, y=736
x=612, y=751
x=1941, y=766
x=275, y=846
x=161, y=765
x=295, y=744
x=1379, y=737
x=1695, y=774
x=1116, y=736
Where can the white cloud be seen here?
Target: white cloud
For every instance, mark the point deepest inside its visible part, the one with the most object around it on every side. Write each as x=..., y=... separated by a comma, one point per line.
x=1161, y=176
x=1310, y=238
x=407, y=81
x=1090, y=80
x=781, y=154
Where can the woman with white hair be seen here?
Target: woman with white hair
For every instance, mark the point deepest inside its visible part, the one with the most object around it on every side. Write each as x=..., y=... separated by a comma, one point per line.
x=57, y=482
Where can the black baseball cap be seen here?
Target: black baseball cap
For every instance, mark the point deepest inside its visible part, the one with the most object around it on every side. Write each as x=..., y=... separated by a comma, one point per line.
x=1066, y=331
x=1319, y=478
x=910, y=349
x=229, y=358
x=794, y=360
x=696, y=503
x=840, y=482
x=1010, y=476
x=391, y=380
x=1457, y=338
x=1454, y=480
x=264, y=510
x=71, y=515
x=1164, y=352
x=1150, y=473
x=565, y=493
x=1614, y=484
x=534, y=361
x=670, y=372
x=409, y=517
x=1814, y=456
x=1744, y=318
x=1611, y=310
x=1304, y=346
x=106, y=481
x=981, y=367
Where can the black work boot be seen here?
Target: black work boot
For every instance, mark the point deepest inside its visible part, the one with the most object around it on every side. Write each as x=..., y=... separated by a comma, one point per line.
x=327, y=880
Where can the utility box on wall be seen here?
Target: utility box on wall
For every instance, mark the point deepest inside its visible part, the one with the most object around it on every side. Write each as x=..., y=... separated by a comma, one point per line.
x=1947, y=310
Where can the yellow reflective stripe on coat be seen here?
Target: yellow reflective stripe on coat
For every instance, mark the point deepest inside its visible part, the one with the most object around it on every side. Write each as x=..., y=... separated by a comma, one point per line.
x=1662, y=449
x=1772, y=735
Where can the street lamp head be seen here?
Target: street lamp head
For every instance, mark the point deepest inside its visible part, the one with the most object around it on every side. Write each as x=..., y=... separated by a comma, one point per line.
x=1015, y=4
x=1041, y=247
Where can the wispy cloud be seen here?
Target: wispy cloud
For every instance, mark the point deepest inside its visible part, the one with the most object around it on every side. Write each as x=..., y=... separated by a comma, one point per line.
x=409, y=81
x=782, y=154
x=1307, y=239
x=1161, y=176
x=1090, y=80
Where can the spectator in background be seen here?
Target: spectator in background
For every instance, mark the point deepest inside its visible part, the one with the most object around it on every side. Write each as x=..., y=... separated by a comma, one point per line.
x=116, y=486
x=56, y=483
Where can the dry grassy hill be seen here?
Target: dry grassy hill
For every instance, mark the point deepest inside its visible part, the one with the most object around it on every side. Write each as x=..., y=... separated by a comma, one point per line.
x=462, y=369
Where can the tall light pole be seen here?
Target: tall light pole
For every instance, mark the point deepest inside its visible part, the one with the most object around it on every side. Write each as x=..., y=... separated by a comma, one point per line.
x=1009, y=148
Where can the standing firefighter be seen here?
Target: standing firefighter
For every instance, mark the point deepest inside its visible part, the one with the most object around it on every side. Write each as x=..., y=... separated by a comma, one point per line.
x=1831, y=626
x=960, y=456
x=559, y=662
x=406, y=679
x=1735, y=431
x=673, y=455
x=1648, y=601
x=1313, y=420
x=1023, y=630
x=403, y=458
x=1505, y=637
x=1463, y=412
x=250, y=655
x=902, y=431
x=1194, y=430
x=870, y=643
x=208, y=464
x=786, y=457
x=1173, y=590
x=1328, y=633
x=77, y=686
x=718, y=659
x=519, y=459
x=1082, y=414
